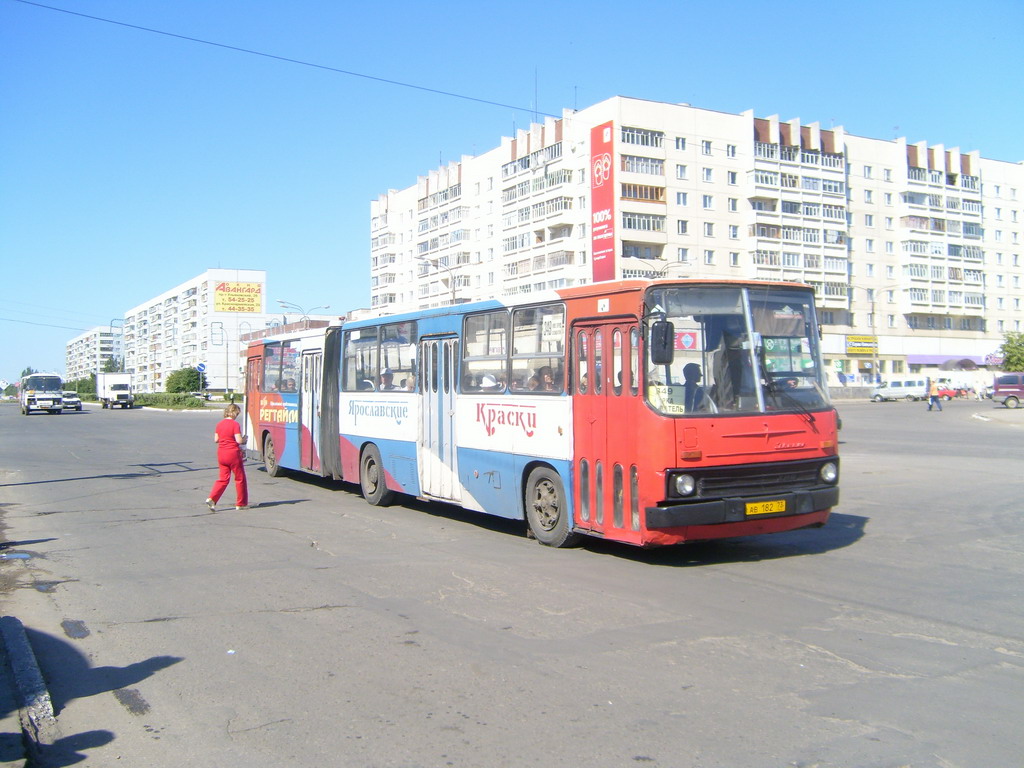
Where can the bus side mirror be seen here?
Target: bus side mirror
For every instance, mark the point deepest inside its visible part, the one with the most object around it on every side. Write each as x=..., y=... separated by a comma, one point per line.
x=662, y=342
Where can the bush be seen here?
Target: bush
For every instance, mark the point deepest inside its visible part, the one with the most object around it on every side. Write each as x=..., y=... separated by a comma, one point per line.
x=178, y=400
x=185, y=380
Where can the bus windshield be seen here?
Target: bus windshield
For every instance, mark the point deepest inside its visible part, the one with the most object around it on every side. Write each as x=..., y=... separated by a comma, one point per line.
x=736, y=350
x=44, y=383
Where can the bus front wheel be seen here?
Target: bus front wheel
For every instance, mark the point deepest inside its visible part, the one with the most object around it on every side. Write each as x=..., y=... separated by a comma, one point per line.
x=270, y=457
x=547, y=509
x=371, y=478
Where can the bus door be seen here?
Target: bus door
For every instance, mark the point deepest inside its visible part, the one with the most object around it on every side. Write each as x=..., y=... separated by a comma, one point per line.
x=438, y=459
x=253, y=382
x=309, y=411
x=605, y=395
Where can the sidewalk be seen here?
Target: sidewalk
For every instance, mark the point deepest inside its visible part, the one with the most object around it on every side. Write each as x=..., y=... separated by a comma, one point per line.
x=27, y=720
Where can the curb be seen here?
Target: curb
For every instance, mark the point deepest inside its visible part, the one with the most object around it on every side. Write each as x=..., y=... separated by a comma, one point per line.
x=38, y=726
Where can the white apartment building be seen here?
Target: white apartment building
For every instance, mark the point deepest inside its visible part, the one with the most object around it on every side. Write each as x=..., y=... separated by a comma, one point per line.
x=89, y=353
x=914, y=249
x=196, y=325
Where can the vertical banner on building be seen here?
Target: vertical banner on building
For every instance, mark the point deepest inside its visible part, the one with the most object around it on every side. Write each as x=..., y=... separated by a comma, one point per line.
x=602, y=202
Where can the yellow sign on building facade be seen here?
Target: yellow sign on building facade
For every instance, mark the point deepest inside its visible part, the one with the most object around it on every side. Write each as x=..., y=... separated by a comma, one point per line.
x=861, y=345
x=238, y=297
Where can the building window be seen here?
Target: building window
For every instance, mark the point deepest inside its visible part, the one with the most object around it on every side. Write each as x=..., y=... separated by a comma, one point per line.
x=681, y=172
x=869, y=196
x=709, y=257
x=682, y=226
x=629, y=192
x=680, y=142
x=867, y=171
x=708, y=174
x=648, y=165
x=732, y=178
x=734, y=232
x=709, y=229
x=641, y=251
x=681, y=198
x=733, y=204
x=683, y=254
x=734, y=258
x=708, y=202
x=642, y=137
x=730, y=150
x=705, y=147
x=647, y=222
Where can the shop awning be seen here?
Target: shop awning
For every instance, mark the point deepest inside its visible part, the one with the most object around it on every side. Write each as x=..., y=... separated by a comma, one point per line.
x=947, y=362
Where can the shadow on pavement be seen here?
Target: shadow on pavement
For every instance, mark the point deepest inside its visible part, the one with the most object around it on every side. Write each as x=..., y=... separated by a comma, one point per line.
x=153, y=470
x=70, y=676
x=840, y=531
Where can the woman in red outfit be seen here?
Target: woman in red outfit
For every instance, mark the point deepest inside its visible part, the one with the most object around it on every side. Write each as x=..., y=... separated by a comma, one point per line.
x=231, y=458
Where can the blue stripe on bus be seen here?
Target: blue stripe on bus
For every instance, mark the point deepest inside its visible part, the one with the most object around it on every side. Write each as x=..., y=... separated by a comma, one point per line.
x=495, y=480
x=399, y=460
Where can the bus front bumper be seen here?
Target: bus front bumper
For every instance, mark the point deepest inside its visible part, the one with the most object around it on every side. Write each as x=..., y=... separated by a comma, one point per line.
x=735, y=510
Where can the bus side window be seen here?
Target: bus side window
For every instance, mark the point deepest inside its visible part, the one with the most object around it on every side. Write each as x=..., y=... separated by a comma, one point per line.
x=538, y=354
x=485, y=352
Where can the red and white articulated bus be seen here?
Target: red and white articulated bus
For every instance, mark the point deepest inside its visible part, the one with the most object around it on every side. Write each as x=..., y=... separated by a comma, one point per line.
x=647, y=412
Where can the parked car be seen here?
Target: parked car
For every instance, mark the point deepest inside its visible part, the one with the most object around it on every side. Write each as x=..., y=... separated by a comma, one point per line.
x=72, y=402
x=200, y=395
x=1008, y=389
x=948, y=389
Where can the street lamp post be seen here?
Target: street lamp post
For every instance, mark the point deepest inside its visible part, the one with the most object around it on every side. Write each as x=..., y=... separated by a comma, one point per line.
x=436, y=263
x=113, y=335
x=669, y=265
x=872, y=297
x=287, y=305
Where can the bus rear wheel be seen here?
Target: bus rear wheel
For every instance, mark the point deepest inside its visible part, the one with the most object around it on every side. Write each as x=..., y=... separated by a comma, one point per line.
x=371, y=478
x=270, y=457
x=547, y=509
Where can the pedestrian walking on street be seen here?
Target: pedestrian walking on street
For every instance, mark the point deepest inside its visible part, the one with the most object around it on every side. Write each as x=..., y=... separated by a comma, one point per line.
x=933, y=396
x=231, y=458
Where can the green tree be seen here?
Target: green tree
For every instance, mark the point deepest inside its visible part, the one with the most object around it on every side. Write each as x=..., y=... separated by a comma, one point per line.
x=113, y=365
x=185, y=380
x=28, y=372
x=84, y=386
x=1013, y=351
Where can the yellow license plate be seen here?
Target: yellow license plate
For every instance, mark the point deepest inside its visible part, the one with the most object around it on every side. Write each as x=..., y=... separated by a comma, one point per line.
x=766, y=507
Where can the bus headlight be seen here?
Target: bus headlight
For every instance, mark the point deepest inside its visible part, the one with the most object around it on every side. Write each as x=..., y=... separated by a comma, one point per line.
x=829, y=472
x=684, y=485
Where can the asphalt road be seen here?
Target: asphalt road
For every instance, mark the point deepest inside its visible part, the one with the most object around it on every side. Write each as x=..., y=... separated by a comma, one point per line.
x=315, y=630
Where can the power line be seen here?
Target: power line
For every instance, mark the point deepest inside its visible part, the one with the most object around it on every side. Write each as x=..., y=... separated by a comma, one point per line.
x=47, y=325
x=5, y=300
x=252, y=52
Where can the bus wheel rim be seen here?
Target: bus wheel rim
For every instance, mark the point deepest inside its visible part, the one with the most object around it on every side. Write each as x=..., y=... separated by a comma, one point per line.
x=545, y=503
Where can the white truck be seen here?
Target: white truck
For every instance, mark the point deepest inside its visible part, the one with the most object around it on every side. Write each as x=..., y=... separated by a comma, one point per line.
x=42, y=392
x=115, y=389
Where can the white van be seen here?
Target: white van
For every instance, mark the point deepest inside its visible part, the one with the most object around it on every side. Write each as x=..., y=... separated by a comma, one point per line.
x=909, y=388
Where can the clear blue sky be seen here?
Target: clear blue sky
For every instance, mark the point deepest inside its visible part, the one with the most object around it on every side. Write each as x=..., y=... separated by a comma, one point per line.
x=131, y=161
